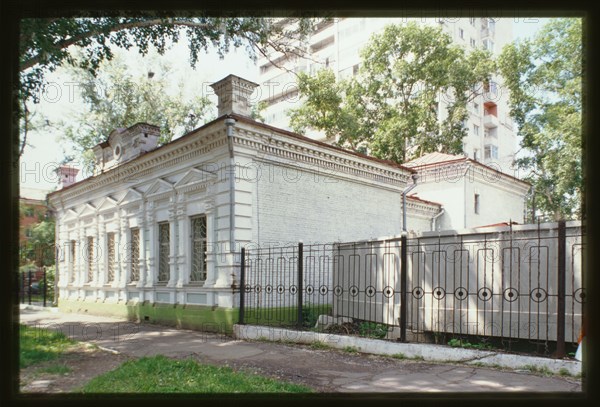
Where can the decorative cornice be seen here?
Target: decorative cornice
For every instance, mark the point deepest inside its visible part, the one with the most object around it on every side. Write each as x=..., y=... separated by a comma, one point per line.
x=193, y=187
x=278, y=146
x=427, y=209
x=455, y=172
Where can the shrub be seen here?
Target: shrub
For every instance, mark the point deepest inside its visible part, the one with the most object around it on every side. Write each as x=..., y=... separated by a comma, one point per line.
x=372, y=330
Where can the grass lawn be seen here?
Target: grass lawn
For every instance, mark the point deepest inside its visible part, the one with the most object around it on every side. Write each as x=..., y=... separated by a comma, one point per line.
x=39, y=345
x=160, y=374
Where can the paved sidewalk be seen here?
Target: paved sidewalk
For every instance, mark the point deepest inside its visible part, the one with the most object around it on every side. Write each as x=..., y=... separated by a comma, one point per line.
x=324, y=370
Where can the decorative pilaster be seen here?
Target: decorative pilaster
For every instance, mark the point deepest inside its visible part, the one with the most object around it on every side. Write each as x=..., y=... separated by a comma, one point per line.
x=122, y=266
x=150, y=254
x=79, y=258
x=172, y=247
x=68, y=253
x=183, y=241
x=211, y=245
x=63, y=264
x=141, y=221
x=102, y=254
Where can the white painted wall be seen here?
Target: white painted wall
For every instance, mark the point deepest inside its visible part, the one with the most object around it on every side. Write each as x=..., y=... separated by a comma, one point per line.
x=297, y=204
x=500, y=201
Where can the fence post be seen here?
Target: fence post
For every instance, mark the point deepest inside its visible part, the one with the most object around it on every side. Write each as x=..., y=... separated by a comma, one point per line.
x=22, y=288
x=403, y=287
x=29, y=287
x=45, y=285
x=561, y=290
x=242, y=286
x=300, y=280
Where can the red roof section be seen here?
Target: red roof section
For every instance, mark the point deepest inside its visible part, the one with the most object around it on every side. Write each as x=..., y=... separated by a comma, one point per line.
x=433, y=159
x=416, y=198
x=498, y=225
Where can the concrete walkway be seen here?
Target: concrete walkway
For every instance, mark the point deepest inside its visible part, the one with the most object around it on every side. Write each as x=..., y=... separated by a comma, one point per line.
x=325, y=370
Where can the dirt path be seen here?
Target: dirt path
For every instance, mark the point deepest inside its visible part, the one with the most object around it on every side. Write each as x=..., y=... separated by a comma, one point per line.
x=325, y=370
x=84, y=362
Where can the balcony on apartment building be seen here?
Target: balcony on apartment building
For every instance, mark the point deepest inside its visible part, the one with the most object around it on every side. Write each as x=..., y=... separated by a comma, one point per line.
x=488, y=28
x=490, y=115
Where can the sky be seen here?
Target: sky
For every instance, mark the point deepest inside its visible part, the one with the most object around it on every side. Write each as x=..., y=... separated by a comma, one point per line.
x=60, y=101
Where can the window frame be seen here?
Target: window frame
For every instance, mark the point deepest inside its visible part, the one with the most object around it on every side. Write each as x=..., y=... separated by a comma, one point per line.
x=163, y=256
x=134, y=260
x=90, y=259
x=203, y=240
x=110, y=257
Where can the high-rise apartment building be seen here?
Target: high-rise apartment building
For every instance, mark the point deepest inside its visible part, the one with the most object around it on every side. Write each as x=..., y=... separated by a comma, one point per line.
x=336, y=45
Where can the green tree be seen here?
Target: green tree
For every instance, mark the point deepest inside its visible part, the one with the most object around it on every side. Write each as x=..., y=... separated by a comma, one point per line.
x=115, y=98
x=45, y=44
x=39, y=248
x=544, y=78
x=391, y=107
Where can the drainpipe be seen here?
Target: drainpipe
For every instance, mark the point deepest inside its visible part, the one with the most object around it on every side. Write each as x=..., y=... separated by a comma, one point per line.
x=229, y=122
x=442, y=210
x=406, y=191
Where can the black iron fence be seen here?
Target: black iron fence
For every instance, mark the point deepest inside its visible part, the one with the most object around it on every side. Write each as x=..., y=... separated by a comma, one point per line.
x=519, y=290
x=36, y=286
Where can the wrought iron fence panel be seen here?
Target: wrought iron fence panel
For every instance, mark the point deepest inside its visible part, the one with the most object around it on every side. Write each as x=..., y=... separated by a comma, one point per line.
x=498, y=287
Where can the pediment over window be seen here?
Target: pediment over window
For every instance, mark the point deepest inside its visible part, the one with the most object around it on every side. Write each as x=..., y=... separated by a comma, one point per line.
x=87, y=210
x=69, y=215
x=130, y=196
x=160, y=186
x=107, y=204
x=195, y=177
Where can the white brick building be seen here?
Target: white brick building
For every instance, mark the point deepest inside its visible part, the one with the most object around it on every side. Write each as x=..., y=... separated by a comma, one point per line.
x=165, y=225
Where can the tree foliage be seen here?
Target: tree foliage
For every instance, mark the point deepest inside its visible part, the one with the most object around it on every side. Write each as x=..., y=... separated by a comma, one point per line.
x=38, y=248
x=115, y=98
x=391, y=107
x=45, y=44
x=544, y=78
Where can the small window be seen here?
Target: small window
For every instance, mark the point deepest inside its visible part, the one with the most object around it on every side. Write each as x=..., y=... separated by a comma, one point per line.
x=476, y=203
x=164, y=240
x=90, y=259
x=473, y=43
x=476, y=130
x=110, y=248
x=198, y=272
x=476, y=154
x=491, y=152
x=134, y=255
x=476, y=107
x=489, y=45
x=472, y=21
x=461, y=33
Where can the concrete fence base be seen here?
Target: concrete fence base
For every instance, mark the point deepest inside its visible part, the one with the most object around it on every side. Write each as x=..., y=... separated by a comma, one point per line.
x=428, y=352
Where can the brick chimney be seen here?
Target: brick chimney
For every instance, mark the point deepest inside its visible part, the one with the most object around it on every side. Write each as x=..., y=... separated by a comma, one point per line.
x=66, y=176
x=233, y=95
